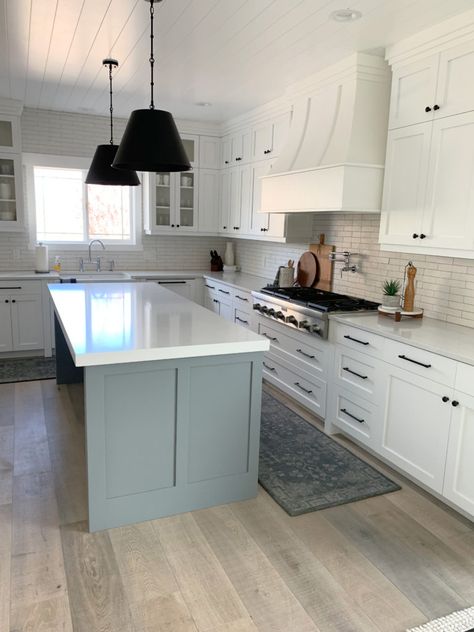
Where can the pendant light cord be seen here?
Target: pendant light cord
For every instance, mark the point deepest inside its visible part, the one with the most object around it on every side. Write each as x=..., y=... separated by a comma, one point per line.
x=111, y=107
x=152, y=57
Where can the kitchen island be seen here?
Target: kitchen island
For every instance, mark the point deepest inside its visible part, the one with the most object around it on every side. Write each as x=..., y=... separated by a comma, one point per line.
x=172, y=400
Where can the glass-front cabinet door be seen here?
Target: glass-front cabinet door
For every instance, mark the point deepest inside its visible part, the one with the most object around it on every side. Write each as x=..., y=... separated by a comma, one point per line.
x=163, y=197
x=9, y=134
x=10, y=207
x=186, y=199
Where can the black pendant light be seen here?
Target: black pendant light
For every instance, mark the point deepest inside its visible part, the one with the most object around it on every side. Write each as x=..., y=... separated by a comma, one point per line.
x=151, y=141
x=101, y=170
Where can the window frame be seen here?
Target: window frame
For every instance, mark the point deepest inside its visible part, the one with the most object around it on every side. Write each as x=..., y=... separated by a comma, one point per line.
x=31, y=160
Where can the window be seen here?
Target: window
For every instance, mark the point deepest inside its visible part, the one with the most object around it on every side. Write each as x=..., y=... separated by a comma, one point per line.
x=66, y=211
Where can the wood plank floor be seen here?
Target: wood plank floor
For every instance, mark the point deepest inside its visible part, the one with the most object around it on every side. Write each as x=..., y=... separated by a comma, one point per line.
x=382, y=564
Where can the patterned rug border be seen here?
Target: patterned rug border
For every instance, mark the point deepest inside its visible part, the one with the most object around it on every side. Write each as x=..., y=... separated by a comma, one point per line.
x=293, y=513
x=33, y=369
x=457, y=622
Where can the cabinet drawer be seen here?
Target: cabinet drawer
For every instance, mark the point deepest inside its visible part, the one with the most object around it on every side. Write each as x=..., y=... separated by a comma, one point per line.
x=14, y=287
x=465, y=378
x=353, y=415
x=242, y=300
x=358, y=372
x=241, y=318
x=310, y=355
x=428, y=365
x=305, y=388
x=360, y=340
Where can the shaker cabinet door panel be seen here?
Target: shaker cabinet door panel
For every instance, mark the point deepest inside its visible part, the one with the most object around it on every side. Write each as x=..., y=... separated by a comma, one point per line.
x=449, y=208
x=459, y=477
x=406, y=172
x=416, y=426
x=413, y=91
x=27, y=322
x=455, y=92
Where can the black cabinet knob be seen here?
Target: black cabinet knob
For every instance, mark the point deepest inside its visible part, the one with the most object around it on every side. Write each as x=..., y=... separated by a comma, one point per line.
x=226, y=162
x=177, y=225
x=445, y=399
x=172, y=225
x=436, y=107
x=422, y=236
x=427, y=108
x=415, y=235
x=224, y=227
x=6, y=300
x=454, y=403
x=13, y=301
x=238, y=158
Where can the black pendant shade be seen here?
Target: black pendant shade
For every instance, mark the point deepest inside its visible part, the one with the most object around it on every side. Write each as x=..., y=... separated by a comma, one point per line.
x=102, y=172
x=151, y=142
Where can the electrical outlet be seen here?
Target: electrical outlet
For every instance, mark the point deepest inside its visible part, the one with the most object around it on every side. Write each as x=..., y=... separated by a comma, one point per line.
x=16, y=254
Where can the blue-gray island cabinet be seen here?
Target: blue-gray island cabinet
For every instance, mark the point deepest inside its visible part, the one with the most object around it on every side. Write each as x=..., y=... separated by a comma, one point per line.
x=172, y=400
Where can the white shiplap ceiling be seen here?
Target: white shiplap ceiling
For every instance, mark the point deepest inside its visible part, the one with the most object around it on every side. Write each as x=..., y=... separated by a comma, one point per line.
x=235, y=54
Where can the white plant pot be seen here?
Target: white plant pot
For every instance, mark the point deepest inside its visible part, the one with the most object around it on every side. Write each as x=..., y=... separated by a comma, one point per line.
x=390, y=301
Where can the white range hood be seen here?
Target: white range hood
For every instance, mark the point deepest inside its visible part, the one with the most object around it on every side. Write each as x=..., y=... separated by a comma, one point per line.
x=335, y=154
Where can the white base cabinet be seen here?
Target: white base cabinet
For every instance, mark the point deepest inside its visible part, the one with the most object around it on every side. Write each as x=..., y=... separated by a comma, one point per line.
x=412, y=407
x=21, y=317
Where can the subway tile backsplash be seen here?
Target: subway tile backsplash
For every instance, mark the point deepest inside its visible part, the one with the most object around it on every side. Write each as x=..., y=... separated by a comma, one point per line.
x=444, y=285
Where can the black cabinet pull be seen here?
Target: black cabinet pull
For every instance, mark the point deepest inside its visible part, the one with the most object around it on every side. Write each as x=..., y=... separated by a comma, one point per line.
x=171, y=282
x=270, y=337
x=454, y=403
x=224, y=291
x=211, y=287
x=422, y=236
x=415, y=235
x=215, y=300
x=427, y=108
x=404, y=357
x=241, y=320
x=445, y=399
x=306, y=355
x=343, y=410
x=361, y=342
x=17, y=287
x=238, y=158
x=303, y=388
x=270, y=368
x=264, y=230
x=346, y=368
x=241, y=298
x=436, y=107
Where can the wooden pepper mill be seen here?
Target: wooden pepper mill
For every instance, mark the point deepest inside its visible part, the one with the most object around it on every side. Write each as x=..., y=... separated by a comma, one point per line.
x=409, y=295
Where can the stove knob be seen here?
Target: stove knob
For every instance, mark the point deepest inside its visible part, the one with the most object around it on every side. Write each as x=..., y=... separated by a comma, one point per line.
x=304, y=324
x=264, y=309
x=315, y=329
x=280, y=315
x=292, y=320
x=271, y=312
x=257, y=306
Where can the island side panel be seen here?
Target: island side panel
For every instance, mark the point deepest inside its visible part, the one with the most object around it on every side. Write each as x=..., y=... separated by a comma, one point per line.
x=165, y=437
x=66, y=371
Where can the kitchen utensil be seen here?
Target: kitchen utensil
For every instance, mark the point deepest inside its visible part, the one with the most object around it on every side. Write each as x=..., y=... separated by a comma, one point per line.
x=409, y=292
x=322, y=250
x=286, y=276
x=307, y=270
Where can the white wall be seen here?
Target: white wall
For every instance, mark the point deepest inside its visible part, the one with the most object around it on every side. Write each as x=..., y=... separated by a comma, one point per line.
x=445, y=285
x=68, y=134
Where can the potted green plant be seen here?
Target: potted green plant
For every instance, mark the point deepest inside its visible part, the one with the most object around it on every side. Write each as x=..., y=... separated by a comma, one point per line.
x=391, y=293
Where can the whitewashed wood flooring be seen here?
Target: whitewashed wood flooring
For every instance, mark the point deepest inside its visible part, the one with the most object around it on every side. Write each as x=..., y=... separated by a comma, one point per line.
x=383, y=564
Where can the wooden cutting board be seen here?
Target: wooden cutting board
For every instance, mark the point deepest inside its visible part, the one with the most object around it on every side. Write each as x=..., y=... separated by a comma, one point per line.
x=307, y=270
x=325, y=266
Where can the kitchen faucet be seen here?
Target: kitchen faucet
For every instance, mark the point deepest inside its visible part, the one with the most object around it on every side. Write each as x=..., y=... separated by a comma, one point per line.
x=96, y=261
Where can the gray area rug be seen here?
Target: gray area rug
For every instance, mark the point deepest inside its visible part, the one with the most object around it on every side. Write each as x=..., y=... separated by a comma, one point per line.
x=27, y=369
x=461, y=621
x=305, y=470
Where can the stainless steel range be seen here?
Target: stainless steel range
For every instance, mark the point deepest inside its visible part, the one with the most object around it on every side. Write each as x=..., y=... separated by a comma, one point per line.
x=305, y=308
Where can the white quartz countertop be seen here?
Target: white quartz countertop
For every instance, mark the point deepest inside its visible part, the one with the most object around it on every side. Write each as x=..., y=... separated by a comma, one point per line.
x=114, y=323
x=240, y=280
x=446, y=339
x=28, y=275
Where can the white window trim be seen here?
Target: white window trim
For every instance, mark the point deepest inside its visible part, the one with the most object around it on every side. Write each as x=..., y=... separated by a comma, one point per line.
x=31, y=160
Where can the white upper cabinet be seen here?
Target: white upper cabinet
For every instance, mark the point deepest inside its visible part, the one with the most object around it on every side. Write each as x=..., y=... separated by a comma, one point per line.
x=208, y=217
x=9, y=134
x=448, y=218
x=433, y=87
x=269, y=137
x=428, y=197
x=236, y=148
x=406, y=172
x=413, y=92
x=209, y=152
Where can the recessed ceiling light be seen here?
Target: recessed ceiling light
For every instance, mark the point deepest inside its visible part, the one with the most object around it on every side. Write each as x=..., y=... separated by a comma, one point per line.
x=346, y=15
x=203, y=104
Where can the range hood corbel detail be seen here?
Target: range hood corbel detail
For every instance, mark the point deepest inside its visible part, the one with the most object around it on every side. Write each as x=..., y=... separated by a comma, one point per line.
x=335, y=154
